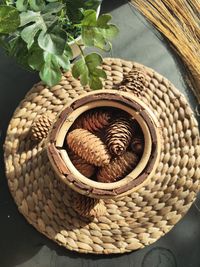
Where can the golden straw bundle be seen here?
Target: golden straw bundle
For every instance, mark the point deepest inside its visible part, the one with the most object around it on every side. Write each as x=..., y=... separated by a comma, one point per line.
x=179, y=22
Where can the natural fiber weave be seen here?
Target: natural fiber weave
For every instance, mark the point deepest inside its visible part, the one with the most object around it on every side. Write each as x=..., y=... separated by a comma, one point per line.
x=132, y=222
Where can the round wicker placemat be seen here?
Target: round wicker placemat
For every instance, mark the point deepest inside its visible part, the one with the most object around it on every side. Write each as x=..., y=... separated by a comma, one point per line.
x=131, y=222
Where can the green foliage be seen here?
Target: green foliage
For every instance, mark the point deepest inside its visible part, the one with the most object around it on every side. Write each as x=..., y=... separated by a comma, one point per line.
x=42, y=22
x=87, y=69
x=99, y=28
x=9, y=19
x=76, y=8
x=52, y=41
x=50, y=72
x=37, y=33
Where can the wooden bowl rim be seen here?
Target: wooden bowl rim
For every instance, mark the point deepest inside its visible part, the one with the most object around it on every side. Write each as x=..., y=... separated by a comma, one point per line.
x=81, y=183
x=133, y=174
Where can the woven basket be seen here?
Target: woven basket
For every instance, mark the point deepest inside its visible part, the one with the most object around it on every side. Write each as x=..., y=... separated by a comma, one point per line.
x=105, y=98
x=131, y=222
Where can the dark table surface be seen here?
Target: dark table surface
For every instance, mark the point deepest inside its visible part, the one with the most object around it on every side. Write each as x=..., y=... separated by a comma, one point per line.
x=20, y=244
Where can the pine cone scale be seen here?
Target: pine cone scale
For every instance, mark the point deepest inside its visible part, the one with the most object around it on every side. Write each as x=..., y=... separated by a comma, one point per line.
x=134, y=81
x=81, y=165
x=40, y=128
x=118, y=168
x=88, y=207
x=118, y=136
x=93, y=121
x=89, y=147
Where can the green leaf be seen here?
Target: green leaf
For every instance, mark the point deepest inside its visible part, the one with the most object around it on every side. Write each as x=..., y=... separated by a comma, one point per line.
x=95, y=83
x=68, y=51
x=88, y=71
x=36, y=58
x=53, y=42
x=75, y=8
x=9, y=19
x=36, y=22
x=29, y=33
x=44, y=20
x=79, y=68
x=110, y=33
x=31, y=16
x=84, y=79
x=92, y=4
x=37, y=5
x=97, y=32
x=18, y=49
x=103, y=20
x=93, y=60
x=100, y=73
x=50, y=73
x=49, y=19
x=62, y=60
x=22, y=5
x=89, y=18
x=53, y=8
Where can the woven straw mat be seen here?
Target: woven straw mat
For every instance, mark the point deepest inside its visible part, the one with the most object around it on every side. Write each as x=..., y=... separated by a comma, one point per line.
x=131, y=222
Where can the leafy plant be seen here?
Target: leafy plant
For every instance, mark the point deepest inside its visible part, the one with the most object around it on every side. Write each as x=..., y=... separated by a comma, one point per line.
x=38, y=34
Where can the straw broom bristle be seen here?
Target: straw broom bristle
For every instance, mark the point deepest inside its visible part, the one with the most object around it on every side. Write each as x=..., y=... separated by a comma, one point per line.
x=178, y=21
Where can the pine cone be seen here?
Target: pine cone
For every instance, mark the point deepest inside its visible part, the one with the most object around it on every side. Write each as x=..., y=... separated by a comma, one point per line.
x=40, y=128
x=134, y=81
x=88, y=146
x=118, y=136
x=137, y=145
x=88, y=207
x=118, y=168
x=81, y=165
x=93, y=120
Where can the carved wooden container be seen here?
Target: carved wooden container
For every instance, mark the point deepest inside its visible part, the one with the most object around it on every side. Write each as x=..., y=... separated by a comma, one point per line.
x=141, y=174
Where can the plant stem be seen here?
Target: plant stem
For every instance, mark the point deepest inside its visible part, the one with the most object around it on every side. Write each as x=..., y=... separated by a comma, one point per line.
x=80, y=47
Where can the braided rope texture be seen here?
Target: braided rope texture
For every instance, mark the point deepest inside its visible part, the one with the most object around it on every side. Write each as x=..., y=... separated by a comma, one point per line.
x=132, y=222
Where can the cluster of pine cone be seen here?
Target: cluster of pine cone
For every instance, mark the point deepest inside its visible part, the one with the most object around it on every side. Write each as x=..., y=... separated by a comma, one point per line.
x=105, y=144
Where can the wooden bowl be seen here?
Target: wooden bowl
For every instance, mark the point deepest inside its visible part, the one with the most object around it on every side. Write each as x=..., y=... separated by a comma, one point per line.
x=63, y=166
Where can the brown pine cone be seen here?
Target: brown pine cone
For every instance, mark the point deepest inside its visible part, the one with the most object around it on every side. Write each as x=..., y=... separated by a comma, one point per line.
x=118, y=168
x=118, y=136
x=134, y=81
x=81, y=165
x=93, y=120
x=88, y=146
x=40, y=128
x=137, y=145
x=88, y=207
